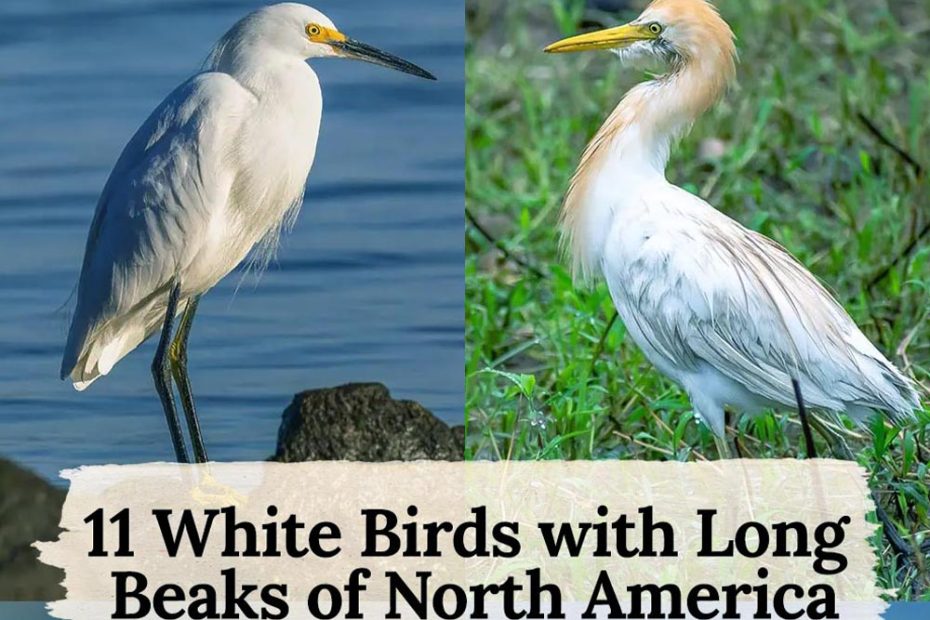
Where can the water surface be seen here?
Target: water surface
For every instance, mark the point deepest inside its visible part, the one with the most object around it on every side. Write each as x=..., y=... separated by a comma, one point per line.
x=368, y=286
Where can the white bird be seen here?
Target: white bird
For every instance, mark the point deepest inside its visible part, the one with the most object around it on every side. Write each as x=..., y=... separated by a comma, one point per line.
x=723, y=311
x=217, y=170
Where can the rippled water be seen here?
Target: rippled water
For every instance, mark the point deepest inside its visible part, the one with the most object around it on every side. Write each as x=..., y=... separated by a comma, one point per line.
x=368, y=287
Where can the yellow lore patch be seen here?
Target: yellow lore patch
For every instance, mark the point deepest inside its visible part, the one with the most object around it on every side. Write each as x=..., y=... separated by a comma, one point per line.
x=322, y=34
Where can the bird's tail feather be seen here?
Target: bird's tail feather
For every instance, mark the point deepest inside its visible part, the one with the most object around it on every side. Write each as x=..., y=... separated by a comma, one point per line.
x=102, y=354
x=93, y=349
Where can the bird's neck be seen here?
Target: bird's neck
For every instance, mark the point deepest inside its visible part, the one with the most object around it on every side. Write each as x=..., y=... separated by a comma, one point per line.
x=629, y=153
x=261, y=69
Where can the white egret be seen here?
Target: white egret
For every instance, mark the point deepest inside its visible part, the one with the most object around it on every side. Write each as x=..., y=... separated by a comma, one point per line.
x=216, y=170
x=723, y=311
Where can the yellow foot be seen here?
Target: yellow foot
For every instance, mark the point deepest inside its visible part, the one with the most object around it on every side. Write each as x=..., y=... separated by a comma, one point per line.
x=212, y=494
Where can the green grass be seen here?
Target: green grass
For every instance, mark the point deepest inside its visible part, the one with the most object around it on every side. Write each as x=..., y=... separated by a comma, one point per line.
x=545, y=380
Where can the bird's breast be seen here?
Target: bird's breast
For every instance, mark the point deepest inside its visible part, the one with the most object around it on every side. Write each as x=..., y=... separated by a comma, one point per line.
x=618, y=202
x=269, y=165
x=277, y=151
x=637, y=249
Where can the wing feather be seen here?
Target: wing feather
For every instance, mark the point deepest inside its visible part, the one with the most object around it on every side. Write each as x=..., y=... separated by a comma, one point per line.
x=173, y=176
x=741, y=303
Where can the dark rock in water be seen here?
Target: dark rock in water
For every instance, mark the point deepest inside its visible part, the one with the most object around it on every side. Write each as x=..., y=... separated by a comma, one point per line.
x=358, y=422
x=30, y=510
x=361, y=422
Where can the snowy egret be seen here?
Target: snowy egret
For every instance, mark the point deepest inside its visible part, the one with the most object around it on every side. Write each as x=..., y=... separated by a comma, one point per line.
x=723, y=311
x=217, y=170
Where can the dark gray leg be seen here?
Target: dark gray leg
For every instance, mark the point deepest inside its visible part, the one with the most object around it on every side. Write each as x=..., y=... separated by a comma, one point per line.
x=805, y=422
x=178, y=355
x=723, y=448
x=162, y=374
x=736, y=443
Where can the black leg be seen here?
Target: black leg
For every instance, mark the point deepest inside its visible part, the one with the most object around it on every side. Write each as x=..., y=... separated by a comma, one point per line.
x=805, y=423
x=727, y=416
x=178, y=355
x=162, y=374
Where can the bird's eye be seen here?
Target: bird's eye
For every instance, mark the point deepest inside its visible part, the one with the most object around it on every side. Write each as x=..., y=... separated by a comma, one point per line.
x=313, y=30
x=655, y=28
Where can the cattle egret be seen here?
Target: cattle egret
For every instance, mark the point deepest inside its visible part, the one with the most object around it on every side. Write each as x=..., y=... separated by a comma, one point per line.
x=723, y=311
x=217, y=170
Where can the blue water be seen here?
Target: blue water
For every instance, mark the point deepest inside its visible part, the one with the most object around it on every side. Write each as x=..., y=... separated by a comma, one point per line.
x=368, y=287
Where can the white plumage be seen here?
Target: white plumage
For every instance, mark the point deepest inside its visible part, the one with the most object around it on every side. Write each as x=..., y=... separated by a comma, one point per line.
x=732, y=317
x=213, y=173
x=210, y=173
x=723, y=311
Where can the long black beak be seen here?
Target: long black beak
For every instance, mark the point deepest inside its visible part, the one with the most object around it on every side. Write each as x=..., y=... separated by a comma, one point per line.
x=351, y=48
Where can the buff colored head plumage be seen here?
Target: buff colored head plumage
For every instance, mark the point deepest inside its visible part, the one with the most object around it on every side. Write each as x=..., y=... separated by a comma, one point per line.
x=695, y=44
x=676, y=31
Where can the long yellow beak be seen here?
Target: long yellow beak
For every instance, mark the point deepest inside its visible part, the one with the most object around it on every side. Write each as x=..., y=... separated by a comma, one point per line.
x=611, y=38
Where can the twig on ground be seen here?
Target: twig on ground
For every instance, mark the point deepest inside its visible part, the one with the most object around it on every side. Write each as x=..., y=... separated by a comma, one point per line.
x=916, y=235
x=599, y=349
x=901, y=353
x=897, y=542
x=905, y=252
x=500, y=245
x=903, y=154
x=900, y=546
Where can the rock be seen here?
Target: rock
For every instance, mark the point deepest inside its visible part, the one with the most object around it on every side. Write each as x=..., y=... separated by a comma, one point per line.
x=361, y=422
x=358, y=422
x=30, y=510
